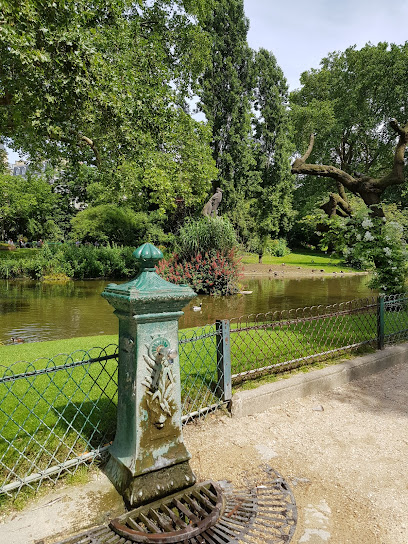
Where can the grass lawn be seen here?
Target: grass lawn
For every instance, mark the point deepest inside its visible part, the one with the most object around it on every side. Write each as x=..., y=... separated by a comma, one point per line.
x=303, y=258
x=10, y=354
x=49, y=417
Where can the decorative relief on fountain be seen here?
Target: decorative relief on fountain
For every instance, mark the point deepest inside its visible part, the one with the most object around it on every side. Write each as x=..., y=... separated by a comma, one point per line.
x=160, y=381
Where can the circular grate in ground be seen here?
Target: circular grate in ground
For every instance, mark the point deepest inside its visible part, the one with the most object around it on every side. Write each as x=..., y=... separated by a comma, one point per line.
x=208, y=513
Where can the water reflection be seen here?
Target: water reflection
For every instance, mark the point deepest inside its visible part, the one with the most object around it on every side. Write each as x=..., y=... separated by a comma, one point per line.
x=46, y=311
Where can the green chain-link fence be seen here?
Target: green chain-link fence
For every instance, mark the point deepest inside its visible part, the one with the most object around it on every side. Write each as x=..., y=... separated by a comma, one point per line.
x=55, y=414
x=59, y=413
x=270, y=341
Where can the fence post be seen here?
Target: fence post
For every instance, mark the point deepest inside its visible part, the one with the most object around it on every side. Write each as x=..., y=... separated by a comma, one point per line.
x=380, y=322
x=224, y=390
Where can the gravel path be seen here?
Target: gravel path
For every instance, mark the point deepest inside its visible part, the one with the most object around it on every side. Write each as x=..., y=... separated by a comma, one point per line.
x=344, y=453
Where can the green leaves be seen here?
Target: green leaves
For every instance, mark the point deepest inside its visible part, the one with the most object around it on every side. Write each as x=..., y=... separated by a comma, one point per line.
x=348, y=102
x=111, y=223
x=26, y=206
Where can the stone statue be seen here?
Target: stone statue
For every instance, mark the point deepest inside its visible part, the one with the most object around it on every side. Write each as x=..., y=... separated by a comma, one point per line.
x=210, y=209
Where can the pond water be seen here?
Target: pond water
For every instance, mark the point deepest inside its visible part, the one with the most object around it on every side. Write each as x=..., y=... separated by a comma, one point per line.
x=35, y=311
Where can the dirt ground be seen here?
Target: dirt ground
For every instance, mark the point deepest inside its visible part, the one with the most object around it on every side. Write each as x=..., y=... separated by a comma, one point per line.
x=344, y=453
x=282, y=271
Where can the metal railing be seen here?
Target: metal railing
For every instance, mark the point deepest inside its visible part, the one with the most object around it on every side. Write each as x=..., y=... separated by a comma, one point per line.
x=202, y=380
x=60, y=413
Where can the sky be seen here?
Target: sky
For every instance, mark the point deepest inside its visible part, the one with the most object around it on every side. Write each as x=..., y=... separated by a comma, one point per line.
x=300, y=33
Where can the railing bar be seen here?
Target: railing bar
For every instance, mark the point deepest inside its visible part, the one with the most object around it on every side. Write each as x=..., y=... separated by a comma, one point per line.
x=202, y=411
x=201, y=337
x=280, y=323
x=52, y=470
x=56, y=368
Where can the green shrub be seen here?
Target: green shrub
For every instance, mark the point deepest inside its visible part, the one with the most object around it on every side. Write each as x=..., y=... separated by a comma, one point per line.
x=75, y=262
x=87, y=261
x=115, y=224
x=276, y=248
x=205, y=235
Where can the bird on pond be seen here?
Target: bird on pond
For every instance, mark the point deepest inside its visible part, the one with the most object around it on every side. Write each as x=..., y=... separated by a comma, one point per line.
x=197, y=308
x=17, y=340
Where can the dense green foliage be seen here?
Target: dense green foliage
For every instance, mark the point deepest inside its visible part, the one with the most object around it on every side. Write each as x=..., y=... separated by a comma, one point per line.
x=225, y=99
x=117, y=224
x=205, y=234
x=244, y=98
x=69, y=261
x=272, y=205
x=99, y=89
x=28, y=206
x=368, y=242
x=102, y=91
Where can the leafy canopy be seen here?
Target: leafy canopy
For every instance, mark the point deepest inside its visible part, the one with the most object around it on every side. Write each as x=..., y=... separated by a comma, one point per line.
x=347, y=103
x=103, y=85
x=29, y=206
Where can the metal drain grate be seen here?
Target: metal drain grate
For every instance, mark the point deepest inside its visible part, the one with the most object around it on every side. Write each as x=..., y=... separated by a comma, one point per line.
x=265, y=513
x=176, y=518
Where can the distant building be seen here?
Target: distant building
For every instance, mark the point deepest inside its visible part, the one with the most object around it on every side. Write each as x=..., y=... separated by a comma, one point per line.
x=19, y=168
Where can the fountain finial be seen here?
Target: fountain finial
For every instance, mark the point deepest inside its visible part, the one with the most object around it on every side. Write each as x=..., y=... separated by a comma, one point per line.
x=148, y=256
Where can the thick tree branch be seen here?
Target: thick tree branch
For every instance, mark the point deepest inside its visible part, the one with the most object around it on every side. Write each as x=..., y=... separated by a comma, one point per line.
x=303, y=159
x=325, y=171
x=368, y=188
x=87, y=141
x=342, y=192
x=300, y=167
x=396, y=176
x=337, y=206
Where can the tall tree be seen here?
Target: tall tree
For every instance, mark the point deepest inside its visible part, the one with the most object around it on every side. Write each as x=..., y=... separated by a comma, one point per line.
x=347, y=105
x=273, y=205
x=225, y=99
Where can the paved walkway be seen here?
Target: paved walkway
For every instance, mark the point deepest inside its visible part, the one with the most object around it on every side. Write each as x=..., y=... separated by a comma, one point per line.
x=343, y=452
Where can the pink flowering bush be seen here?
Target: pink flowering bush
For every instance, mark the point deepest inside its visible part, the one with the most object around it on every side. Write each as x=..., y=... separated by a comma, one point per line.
x=212, y=272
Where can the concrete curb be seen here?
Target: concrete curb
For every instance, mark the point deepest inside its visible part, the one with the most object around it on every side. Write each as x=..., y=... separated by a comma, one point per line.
x=246, y=403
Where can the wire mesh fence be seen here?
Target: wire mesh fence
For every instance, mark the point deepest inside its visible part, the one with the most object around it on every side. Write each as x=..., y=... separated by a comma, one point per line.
x=395, y=318
x=201, y=371
x=55, y=416
x=59, y=413
x=262, y=342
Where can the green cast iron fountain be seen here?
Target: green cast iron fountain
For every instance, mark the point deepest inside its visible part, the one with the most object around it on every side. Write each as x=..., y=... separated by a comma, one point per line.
x=148, y=458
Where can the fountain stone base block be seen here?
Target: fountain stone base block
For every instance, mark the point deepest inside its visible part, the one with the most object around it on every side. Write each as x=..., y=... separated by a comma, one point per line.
x=151, y=486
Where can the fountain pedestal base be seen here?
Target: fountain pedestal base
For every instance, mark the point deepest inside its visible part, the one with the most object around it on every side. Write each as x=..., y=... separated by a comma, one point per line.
x=151, y=486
